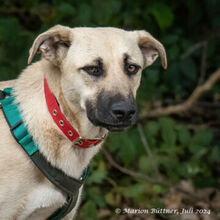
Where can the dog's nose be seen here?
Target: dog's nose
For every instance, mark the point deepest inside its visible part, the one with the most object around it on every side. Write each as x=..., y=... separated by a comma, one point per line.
x=123, y=111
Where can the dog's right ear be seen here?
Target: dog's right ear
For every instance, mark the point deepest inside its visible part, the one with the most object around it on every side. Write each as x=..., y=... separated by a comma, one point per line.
x=52, y=44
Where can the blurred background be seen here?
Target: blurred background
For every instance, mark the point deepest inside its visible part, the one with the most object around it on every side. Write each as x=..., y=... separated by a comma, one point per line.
x=171, y=158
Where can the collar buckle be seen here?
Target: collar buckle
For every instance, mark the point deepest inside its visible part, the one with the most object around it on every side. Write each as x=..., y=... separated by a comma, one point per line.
x=88, y=143
x=78, y=141
x=99, y=139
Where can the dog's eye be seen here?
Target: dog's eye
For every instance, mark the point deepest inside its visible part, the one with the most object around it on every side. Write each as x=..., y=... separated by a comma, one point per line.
x=132, y=69
x=93, y=70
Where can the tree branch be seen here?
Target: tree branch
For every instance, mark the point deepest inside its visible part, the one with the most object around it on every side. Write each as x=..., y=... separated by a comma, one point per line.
x=192, y=49
x=190, y=195
x=144, y=140
x=177, y=109
x=148, y=150
x=125, y=170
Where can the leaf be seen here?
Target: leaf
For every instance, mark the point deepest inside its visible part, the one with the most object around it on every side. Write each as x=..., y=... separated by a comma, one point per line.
x=162, y=13
x=168, y=132
x=182, y=170
x=193, y=168
x=89, y=210
x=184, y=135
x=158, y=189
x=195, y=148
x=156, y=202
x=97, y=176
x=128, y=145
x=135, y=190
x=101, y=166
x=169, y=166
x=202, y=137
x=214, y=155
x=147, y=164
x=143, y=164
x=152, y=128
x=96, y=195
x=127, y=151
x=110, y=199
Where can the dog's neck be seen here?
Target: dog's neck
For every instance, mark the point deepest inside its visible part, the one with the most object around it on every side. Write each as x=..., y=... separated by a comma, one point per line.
x=73, y=111
x=52, y=143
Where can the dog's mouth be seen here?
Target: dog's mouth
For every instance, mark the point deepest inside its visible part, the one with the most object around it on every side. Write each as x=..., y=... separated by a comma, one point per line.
x=120, y=127
x=110, y=126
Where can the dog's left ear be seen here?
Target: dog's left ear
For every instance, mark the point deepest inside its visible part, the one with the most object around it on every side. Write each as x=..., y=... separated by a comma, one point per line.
x=151, y=49
x=52, y=44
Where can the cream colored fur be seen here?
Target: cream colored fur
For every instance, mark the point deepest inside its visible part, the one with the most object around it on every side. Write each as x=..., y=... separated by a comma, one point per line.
x=24, y=192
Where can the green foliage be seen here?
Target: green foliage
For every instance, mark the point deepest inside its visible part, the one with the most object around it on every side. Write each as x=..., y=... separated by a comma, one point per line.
x=167, y=130
x=89, y=210
x=97, y=177
x=162, y=13
x=178, y=152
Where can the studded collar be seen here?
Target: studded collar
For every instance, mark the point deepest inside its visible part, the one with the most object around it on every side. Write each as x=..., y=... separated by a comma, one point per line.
x=63, y=123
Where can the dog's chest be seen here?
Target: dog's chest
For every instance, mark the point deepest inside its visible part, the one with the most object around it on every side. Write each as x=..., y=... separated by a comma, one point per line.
x=41, y=202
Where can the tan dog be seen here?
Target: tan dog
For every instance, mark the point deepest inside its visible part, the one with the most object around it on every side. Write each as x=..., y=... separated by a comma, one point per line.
x=94, y=74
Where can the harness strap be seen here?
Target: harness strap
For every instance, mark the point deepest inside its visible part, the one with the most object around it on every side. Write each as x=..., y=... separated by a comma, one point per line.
x=66, y=208
x=70, y=186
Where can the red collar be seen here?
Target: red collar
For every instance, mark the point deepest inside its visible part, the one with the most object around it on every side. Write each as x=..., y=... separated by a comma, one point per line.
x=63, y=123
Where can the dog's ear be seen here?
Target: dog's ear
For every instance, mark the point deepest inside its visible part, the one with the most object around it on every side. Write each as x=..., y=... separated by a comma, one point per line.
x=151, y=49
x=52, y=44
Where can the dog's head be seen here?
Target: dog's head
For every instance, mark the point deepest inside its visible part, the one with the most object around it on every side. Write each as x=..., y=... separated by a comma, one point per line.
x=100, y=69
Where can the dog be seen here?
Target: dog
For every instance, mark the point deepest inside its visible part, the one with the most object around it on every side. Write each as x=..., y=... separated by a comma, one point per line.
x=94, y=74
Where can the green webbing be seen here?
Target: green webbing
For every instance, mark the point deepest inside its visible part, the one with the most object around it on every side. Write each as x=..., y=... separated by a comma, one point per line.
x=14, y=120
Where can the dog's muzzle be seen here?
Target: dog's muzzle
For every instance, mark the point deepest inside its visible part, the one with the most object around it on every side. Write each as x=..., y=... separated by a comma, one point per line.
x=113, y=113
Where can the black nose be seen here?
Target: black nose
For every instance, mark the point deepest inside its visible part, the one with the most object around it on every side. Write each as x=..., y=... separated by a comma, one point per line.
x=123, y=111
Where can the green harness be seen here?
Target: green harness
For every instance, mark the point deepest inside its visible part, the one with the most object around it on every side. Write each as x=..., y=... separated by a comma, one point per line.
x=70, y=186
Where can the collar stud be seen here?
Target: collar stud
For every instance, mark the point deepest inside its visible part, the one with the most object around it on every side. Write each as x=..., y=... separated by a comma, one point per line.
x=70, y=133
x=55, y=112
x=61, y=123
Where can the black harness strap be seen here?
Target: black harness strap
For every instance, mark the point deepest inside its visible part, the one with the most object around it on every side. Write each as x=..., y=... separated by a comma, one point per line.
x=67, y=184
